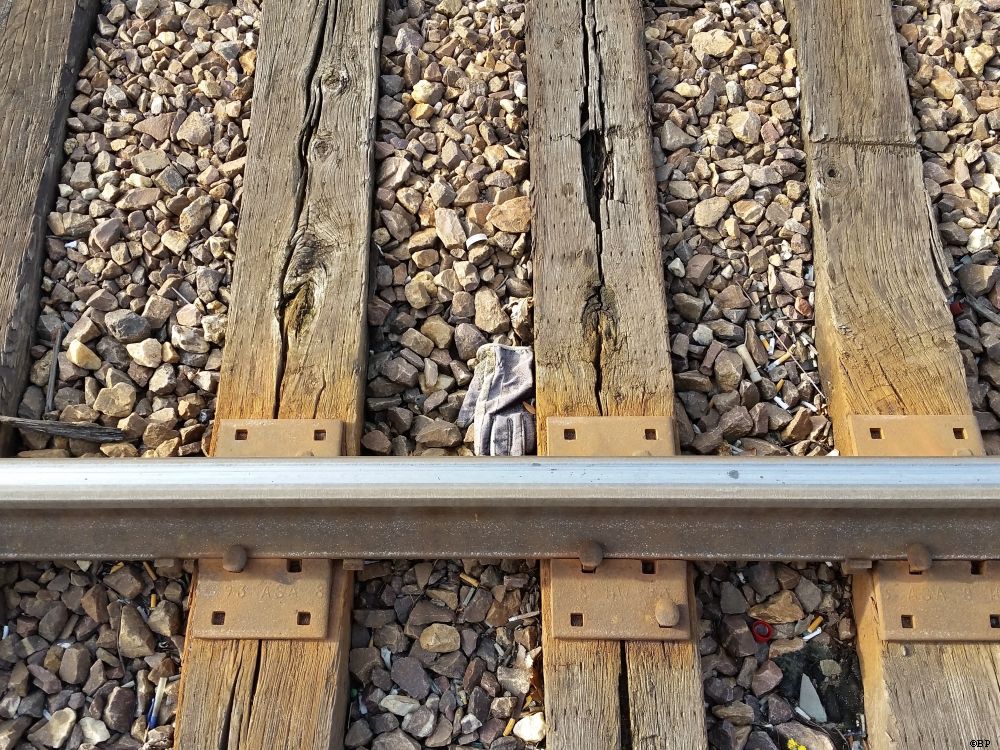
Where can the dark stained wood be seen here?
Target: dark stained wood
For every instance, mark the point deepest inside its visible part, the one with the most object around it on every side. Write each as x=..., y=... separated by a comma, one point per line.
x=295, y=345
x=94, y=433
x=41, y=46
x=884, y=333
x=601, y=341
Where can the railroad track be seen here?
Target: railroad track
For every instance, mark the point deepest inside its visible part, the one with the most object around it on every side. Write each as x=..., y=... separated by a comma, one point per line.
x=911, y=510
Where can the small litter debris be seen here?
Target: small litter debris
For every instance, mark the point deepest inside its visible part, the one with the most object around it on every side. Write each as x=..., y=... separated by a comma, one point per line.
x=154, y=709
x=762, y=632
x=73, y=430
x=809, y=702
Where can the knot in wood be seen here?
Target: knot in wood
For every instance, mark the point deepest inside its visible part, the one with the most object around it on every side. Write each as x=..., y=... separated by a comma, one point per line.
x=336, y=80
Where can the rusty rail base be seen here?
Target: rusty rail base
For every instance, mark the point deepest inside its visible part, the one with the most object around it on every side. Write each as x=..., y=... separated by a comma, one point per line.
x=694, y=509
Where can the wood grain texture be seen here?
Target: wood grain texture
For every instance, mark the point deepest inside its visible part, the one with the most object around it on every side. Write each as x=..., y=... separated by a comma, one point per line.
x=581, y=687
x=296, y=343
x=601, y=340
x=885, y=335
x=601, y=344
x=41, y=46
x=924, y=695
x=847, y=49
x=261, y=695
x=665, y=691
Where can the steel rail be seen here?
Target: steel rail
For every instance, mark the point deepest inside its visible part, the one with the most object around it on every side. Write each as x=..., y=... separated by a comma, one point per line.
x=696, y=509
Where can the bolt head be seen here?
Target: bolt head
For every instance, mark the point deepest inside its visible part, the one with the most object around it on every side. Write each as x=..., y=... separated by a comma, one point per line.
x=668, y=614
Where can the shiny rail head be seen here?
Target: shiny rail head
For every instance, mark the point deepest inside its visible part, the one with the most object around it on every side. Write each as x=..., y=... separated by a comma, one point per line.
x=686, y=508
x=456, y=481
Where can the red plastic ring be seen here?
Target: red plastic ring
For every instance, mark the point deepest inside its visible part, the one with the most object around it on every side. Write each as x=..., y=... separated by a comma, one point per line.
x=762, y=631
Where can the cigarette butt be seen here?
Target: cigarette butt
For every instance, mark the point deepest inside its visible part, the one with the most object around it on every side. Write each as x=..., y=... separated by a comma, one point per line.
x=817, y=621
x=748, y=362
x=509, y=728
x=149, y=569
x=469, y=579
x=117, y=566
x=475, y=240
x=152, y=601
x=777, y=386
x=151, y=717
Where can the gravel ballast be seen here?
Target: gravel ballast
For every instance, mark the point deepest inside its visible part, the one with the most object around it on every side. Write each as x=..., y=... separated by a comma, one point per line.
x=446, y=653
x=753, y=685
x=143, y=232
x=736, y=230
x=453, y=263
x=84, y=647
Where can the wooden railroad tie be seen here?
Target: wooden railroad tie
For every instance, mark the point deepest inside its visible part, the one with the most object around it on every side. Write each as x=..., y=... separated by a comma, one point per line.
x=295, y=348
x=878, y=289
x=601, y=347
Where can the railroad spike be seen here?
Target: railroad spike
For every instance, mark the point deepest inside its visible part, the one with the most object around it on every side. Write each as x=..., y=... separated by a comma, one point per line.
x=855, y=565
x=234, y=559
x=591, y=556
x=919, y=557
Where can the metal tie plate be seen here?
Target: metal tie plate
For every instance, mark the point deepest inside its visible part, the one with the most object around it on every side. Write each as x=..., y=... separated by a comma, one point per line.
x=954, y=600
x=268, y=599
x=638, y=600
x=610, y=436
x=279, y=438
x=915, y=435
x=622, y=600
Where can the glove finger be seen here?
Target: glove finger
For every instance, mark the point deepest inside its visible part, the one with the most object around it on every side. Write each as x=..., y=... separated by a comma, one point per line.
x=513, y=380
x=484, y=428
x=472, y=396
x=516, y=435
x=530, y=433
x=500, y=436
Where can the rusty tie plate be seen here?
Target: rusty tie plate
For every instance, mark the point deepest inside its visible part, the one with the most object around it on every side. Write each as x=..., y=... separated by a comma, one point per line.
x=884, y=435
x=601, y=437
x=622, y=600
x=954, y=600
x=630, y=600
x=268, y=599
x=279, y=438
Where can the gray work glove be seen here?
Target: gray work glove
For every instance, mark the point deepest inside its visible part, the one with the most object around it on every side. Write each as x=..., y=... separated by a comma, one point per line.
x=503, y=380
